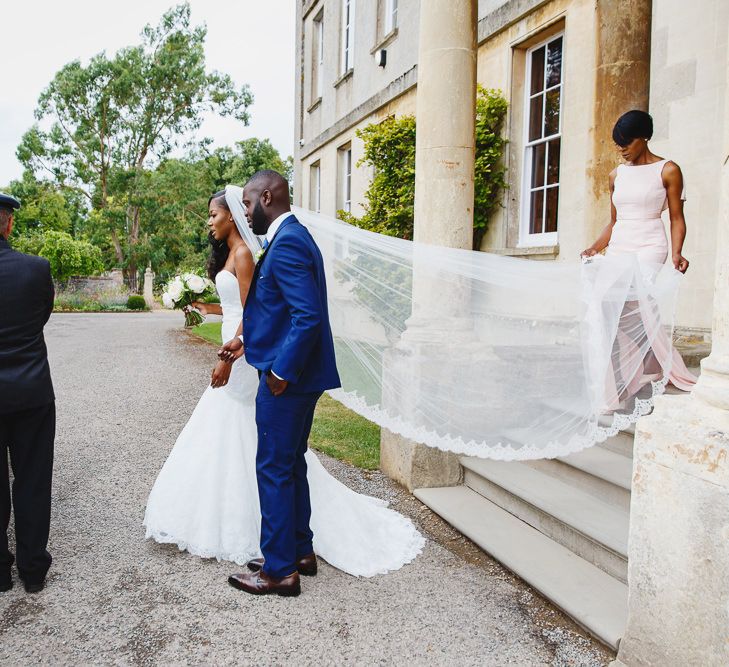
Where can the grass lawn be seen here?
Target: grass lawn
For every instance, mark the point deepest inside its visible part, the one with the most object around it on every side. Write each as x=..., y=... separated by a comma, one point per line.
x=209, y=331
x=337, y=431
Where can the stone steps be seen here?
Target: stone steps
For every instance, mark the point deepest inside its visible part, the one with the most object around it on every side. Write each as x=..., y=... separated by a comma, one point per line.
x=597, y=601
x=560, y=524
x=592, y=528
x=597, y=471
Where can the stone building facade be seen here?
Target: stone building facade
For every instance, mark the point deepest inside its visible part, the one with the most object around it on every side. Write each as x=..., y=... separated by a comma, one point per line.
x=568, y=68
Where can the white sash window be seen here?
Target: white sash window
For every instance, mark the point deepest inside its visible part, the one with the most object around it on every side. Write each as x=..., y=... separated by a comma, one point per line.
x=543, y=137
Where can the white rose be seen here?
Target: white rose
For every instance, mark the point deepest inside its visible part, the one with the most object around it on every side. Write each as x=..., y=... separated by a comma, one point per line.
x=167, y=301
x=175, y=289
x=196, y=284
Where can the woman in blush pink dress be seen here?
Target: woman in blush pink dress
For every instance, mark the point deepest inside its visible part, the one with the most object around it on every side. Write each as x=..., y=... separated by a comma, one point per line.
x=641, y=190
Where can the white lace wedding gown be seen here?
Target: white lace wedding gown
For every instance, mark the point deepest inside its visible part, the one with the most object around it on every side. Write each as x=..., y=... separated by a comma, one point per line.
x=205, y=499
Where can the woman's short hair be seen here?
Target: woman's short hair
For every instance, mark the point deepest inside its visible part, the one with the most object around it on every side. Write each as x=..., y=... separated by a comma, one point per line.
x=632, y=125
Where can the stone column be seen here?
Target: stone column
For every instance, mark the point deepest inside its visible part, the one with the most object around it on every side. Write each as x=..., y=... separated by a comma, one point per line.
x=148, y=285
x=678, y=571
x=445, y=140
x=444, y=190
x=622, y=83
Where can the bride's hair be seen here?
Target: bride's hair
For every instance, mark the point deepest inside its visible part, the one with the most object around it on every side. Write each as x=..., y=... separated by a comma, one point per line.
x=632, y=125
x=218, y=249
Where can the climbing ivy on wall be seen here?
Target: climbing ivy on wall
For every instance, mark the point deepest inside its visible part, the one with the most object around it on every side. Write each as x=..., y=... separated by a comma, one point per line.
x=389, y=148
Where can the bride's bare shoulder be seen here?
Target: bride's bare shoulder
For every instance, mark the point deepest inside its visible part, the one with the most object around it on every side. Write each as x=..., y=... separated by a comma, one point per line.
x=243, y=259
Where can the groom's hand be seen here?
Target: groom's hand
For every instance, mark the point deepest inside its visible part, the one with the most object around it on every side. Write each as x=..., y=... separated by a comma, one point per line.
x=231, y=351
x=276, y=385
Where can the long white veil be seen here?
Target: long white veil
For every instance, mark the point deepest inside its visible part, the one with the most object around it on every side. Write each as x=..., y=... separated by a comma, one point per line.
x=234, y=200
x=494, y=356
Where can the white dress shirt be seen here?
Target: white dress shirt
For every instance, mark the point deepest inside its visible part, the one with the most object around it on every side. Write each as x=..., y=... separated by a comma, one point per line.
x=273, y=228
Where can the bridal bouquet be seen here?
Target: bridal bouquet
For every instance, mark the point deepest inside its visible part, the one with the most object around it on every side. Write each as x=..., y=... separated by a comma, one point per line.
x=182, y=290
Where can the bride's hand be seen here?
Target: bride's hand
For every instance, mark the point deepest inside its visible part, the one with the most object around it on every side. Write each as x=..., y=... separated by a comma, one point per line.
x=231, y=351
x=589, y=252
x=680, y=263
x=221, y=374
x=201, y=307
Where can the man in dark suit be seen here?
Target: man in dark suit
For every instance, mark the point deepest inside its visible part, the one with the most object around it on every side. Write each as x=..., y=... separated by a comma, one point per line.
x=27, y=408
x=289, y=340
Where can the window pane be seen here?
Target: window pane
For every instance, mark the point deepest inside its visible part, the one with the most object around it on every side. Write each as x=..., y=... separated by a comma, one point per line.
x=535, y=118
x=535, y=218
x=551, y=113
x=538, y=155
x=537, y=71
x=553, y=162
x=552, y=200
x=554, y=63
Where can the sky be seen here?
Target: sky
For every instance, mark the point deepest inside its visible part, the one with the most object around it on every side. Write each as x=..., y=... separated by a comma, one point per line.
x=251, y=40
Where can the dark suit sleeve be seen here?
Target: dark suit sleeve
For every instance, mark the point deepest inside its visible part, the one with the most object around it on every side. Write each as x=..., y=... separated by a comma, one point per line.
x=294, y=272
x=50, y=290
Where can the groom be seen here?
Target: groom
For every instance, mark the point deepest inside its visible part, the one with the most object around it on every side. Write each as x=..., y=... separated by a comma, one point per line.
x=288, y=339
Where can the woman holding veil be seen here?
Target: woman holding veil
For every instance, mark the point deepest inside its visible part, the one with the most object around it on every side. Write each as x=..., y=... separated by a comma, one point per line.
x=640, y=191
x=205, y=499
x=507, y=358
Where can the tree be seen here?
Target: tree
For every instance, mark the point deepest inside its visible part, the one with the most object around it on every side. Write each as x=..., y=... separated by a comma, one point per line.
x=116, y=118
x=45, y=206
x=254, y=155
x=67, y=256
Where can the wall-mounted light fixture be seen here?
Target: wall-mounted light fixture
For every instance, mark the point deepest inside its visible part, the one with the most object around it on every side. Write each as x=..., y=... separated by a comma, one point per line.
x=381, y=57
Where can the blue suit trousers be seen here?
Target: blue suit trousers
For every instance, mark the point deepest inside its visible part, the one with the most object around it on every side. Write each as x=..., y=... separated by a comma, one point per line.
x=284, y=424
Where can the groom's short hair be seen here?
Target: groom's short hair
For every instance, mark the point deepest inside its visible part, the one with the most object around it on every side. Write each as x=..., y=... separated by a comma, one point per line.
x=270, y=177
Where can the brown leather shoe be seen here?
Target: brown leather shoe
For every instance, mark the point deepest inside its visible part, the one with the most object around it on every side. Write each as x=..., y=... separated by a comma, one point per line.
x=306, y=566
x=259, y=583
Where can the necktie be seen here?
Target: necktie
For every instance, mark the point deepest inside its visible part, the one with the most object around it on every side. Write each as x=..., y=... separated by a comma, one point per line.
x=265, y=243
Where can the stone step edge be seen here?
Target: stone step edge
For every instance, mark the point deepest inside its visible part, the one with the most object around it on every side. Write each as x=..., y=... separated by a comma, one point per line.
x=595, y=600
x=482, y=468
x=588, y=461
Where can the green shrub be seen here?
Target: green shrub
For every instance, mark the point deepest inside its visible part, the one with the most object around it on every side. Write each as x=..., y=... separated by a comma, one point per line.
x=490, y=172
x=67, y=256
x=136, y=302
x=389, y=148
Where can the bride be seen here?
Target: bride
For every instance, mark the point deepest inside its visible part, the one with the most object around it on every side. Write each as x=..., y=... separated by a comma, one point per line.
x=205, y=498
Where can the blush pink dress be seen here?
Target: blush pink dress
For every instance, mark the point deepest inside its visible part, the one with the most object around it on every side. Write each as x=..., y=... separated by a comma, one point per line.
x=640, y=197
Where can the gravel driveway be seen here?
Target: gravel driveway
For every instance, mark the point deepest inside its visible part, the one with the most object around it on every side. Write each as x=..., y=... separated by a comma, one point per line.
x=125, y=385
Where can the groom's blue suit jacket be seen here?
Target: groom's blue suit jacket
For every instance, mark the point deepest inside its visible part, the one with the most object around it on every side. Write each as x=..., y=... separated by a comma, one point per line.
x=286, y=319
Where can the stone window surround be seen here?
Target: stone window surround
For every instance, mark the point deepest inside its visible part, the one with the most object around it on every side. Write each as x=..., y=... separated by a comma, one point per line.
x=315, y=194
x=526, y=238
x=385, y=41
x=515, y=134
x=347, y=31
x=383, y=35
x=317, y=64
x=345, y=77
x=344, y=176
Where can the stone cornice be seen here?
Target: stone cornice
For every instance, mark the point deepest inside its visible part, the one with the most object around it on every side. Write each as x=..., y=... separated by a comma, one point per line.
x=396, y=88
x=504, y=16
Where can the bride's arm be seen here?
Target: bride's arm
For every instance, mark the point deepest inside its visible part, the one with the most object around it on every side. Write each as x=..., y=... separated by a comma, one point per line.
x=673, y=182
x=244, y=265
x=208, y=308
x=604, y=239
